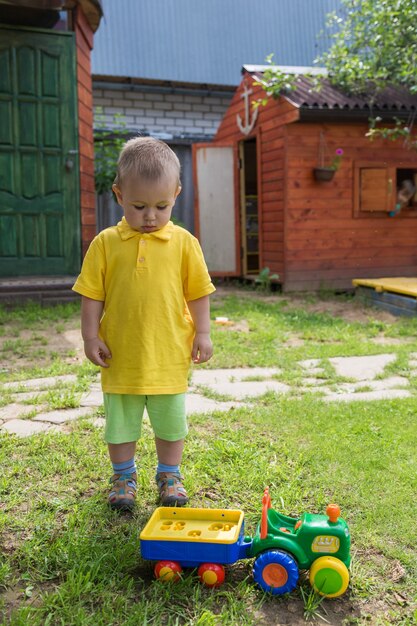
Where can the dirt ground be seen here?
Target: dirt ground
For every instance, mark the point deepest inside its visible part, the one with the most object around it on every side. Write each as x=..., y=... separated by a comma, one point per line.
x=350, y=310
x=21, y=348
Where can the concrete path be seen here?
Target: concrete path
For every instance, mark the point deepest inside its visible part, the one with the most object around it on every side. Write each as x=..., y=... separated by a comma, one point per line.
x=212, y=390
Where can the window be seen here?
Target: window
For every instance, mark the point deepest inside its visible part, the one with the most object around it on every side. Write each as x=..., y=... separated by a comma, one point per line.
x=382, y=189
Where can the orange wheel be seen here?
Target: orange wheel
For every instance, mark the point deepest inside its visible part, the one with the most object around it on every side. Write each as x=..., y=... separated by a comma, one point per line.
x=211, y=574
x=168, y=571
x=275, y=575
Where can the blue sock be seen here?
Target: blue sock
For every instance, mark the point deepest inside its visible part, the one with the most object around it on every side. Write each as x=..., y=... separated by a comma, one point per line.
x=126, y=467
x=161, y=467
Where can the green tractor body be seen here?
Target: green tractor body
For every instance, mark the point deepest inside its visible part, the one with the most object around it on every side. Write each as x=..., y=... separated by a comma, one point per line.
x=316, y=536
x=283, y=545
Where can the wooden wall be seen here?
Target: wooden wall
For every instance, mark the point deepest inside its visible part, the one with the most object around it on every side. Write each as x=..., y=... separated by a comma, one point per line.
x=84, y=42
x=326, y=244
x=269, y=131
x=309, y=233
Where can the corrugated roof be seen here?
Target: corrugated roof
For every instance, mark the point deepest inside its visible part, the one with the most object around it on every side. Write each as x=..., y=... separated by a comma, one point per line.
x=206, y=41
x=329, y=98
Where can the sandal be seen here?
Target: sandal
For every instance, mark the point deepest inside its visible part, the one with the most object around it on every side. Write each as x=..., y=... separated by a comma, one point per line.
x=171, y=489
x=123, y=492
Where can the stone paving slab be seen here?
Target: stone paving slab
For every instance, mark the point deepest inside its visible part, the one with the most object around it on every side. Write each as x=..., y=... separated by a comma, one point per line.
x=362, y=367
x=314, y=381
x=41, y=383
x=386, y=394
x=312, y=366
x=207, y=377
x=194, y=403
x=229, y=382
x=394, y=382
x=92, y=398
x=21, y=396
x=412, y=359
x=357, y=367
x=343, y=389
x=15, y=411
x=250, y=389
x=390, y=341
x=64, y=415
x=24, y=428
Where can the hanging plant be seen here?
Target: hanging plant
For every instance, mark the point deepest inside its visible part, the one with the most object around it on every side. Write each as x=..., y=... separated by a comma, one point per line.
x=327, y=166
x=323, y=174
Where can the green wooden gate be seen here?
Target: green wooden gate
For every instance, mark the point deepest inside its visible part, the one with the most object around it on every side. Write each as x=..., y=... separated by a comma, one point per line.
x=39, y=187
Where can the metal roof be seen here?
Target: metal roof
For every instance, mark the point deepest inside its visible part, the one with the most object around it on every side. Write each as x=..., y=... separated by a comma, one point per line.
x=286, y=69
x=330, y=100
x=206, y=41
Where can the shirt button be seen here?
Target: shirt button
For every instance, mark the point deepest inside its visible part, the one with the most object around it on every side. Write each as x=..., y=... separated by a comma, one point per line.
x=142, y=242
x=141, y=260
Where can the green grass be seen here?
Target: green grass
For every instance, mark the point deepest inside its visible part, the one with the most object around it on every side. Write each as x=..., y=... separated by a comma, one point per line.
x=325, y=336
x=62, y=399
x=77, y=557
x=66, y=559
x=32, y=314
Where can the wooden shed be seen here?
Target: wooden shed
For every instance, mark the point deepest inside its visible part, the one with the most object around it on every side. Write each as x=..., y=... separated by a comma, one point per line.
x=258, y=203
x=47, y=199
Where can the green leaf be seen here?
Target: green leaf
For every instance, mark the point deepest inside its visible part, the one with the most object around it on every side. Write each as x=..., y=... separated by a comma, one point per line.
x=107, y=146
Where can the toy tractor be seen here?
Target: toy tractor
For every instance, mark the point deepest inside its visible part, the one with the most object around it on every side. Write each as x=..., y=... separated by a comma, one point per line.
x=282, y=545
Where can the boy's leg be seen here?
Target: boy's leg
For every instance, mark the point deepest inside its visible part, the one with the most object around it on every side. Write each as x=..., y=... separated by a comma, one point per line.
x=169, y=452
x=123, y=425
x=120, y=452
x=167, y=416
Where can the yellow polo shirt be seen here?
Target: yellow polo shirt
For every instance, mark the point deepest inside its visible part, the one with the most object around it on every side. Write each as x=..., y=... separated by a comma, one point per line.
x=145, y=281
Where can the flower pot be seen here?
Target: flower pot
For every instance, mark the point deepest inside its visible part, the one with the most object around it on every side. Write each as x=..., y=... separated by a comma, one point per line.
x=323, y=173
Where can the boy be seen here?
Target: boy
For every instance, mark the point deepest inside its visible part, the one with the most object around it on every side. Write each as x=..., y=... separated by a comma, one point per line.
x=144, y=314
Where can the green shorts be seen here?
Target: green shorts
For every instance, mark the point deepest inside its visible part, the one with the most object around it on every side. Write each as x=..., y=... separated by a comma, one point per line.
x=124, y=414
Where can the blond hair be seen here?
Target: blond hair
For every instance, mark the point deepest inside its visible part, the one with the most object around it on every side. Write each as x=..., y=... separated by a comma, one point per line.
x=146, y=157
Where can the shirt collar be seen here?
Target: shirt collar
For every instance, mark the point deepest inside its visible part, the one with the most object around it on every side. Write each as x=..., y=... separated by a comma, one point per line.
x=126, y=232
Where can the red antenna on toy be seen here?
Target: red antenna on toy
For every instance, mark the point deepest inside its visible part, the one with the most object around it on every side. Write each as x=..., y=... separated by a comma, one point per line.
x=266, y=504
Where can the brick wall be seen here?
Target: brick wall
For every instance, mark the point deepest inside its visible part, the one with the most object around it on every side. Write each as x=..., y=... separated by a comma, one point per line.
x=172, y=115
x=84, y=42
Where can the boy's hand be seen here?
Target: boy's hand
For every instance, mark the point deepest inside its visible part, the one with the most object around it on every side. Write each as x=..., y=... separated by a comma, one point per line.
x=96, y=351
x=202, y=348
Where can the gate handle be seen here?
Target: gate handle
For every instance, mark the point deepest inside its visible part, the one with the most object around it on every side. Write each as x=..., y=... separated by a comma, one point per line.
x=69, y=163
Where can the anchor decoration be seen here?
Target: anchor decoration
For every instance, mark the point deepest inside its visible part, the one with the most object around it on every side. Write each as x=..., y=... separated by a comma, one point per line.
x=247, y=128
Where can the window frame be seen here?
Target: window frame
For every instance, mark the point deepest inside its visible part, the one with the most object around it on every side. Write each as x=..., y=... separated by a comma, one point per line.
x=391, y=170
